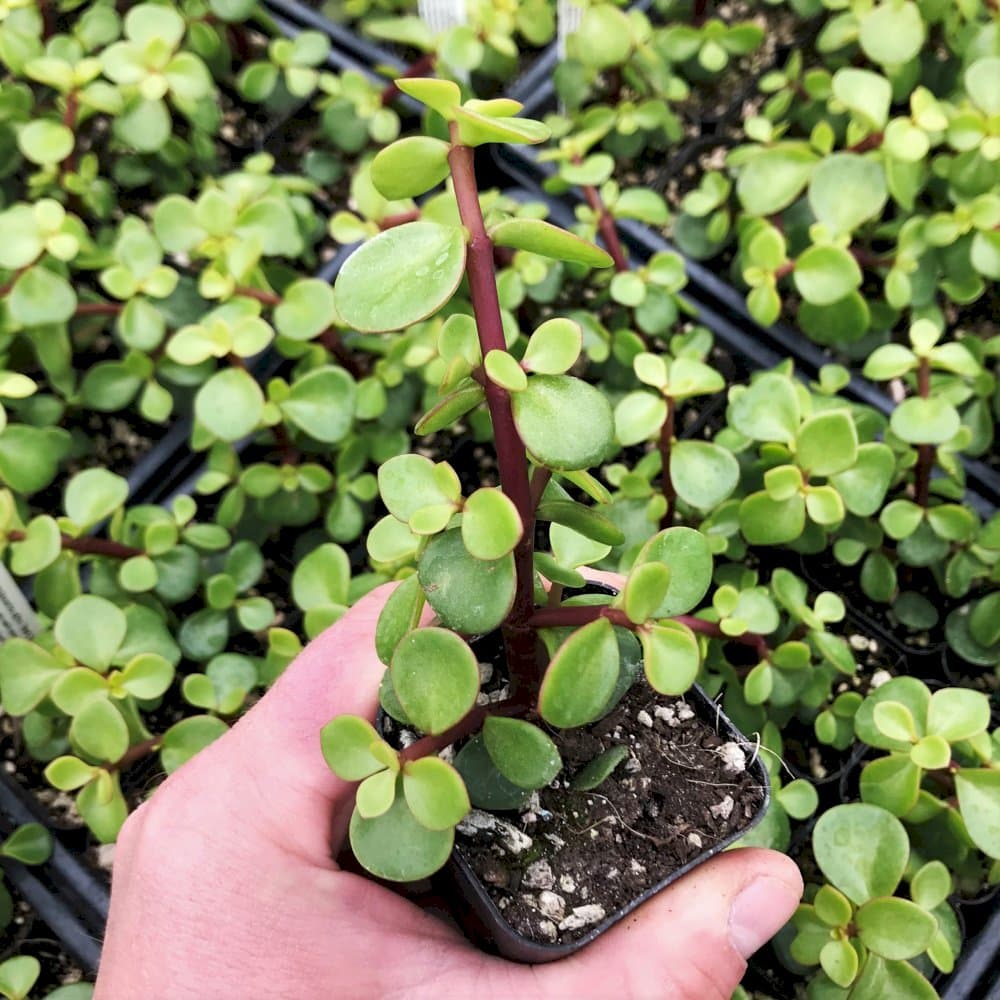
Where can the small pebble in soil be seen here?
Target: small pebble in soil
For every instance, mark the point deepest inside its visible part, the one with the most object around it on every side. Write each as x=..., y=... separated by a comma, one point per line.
x=667, y=714
x=552, y=904
x=724, y=809
x=644, y=718
x=733, y=757
x=567, y=883
x=538, y=875
x=547, y=929
x=582, y=916
x=879, y=678
x=694, y=840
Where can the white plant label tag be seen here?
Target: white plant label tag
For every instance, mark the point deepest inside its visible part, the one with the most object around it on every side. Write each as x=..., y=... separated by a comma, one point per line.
x=16, y=615
x=440, y=15
x=569, y=17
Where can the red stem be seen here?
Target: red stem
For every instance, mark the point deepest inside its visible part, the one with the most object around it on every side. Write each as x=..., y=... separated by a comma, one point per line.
x=136, y=753
x=70, y=113
x=925, y=452
x=666, y=483
x=330, y=339
x=539, y=480
x=423, y=66
x=606, y=226
x=428, y=745
x=98, y=309
x=286, y=447
x=88, y=546
x=869, y=142
x=399, y=219
x=268, y=298
x=584, y=614
x=512, y=458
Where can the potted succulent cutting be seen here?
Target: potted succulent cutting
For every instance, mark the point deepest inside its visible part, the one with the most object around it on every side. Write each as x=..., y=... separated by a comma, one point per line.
x=460, y=733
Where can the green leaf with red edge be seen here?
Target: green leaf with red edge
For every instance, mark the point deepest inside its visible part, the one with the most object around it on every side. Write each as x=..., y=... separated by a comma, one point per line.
x=410, y=166
x=436, y=678
x=581, y=676
x=396, y=846
x=671, y=657
x=346, y=743
x=470, y=595
x=435, y=793
x=426, y=262
x=645, y=590
x=491, y=525
x=376, y=794
x=399, y=615
x=548, y=240
x=522, y=753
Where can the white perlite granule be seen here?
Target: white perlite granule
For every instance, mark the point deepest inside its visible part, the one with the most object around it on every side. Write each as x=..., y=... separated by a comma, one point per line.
x=724, y=809
x=733, y=758
x=583, y=916
x=538, y=875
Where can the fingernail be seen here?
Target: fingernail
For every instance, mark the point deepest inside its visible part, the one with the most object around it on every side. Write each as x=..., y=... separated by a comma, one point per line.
x=759, y=911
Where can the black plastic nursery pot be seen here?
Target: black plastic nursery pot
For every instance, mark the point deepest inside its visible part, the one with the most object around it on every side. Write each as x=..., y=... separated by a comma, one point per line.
x=484, y=921
x=480, y=911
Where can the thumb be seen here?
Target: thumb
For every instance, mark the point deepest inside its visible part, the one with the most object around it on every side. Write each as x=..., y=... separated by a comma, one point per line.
x=692, y=940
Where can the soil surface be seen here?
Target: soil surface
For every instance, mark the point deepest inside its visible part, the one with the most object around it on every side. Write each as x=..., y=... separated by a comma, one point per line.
x=571, y=859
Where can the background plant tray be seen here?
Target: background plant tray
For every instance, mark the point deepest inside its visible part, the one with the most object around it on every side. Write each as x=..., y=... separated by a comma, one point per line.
x=723, y=305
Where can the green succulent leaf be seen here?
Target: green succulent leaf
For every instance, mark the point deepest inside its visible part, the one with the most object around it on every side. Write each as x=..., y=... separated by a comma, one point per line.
x=491, y=525
x=31, y=844
x=426, y=261
x=671, y=657
x=396, y=846
x=687, y=554
x=894, y=928
x=543, y=238
x=435, y=793
x=861, y=849
x=470, y=595
x=99, y=730
x=925, y=421
x=436, y=678
x=546, y=414
x=91, y=629
x=845, y=191
x=523, y=754
x=409, y=167
x=346, y=743
x=230, y=404
x=581, y=676
x=704, y=474
x=979, y=801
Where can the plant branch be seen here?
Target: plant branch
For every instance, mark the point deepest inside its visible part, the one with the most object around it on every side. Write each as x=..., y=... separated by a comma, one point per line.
x=666, y=482
x=466, y=726
x=606, y=227
x=399, y=219
x=539, y=480
x=869, y=142
x=286, y=447
x=268, y=298
x=330, y=339
x=925, y=452
x=70, y=113
x=88, y=546
x=584, y=614
x=136, y=753
x=512, y=458
x=423, y=66
x=98, y=309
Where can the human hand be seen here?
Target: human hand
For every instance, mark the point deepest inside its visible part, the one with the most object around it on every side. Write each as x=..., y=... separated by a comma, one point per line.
x=224, y=885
